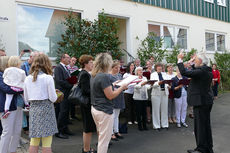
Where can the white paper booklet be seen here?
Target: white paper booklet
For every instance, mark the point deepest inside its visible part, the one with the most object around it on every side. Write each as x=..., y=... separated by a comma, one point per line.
x=128, y=80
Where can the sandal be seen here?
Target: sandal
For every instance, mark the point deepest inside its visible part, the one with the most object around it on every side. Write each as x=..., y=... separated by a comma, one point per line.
x=119, y=136
x=90, y=151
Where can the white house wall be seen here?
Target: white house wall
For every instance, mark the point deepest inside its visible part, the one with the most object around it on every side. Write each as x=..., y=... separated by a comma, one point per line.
x=138, y=16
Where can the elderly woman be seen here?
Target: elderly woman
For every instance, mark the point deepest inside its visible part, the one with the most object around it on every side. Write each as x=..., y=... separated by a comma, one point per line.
x=159, y=98
x=101, y=99
x=171, y=102
x=13, y=123
x=180, y=96
x=119, y=102
x=140, y=97
x=40, y=92
x=86, y=62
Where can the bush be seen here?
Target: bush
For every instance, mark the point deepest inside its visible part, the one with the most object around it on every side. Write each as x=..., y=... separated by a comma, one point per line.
x=151, y=48
x=223, y=65
x=90, y=37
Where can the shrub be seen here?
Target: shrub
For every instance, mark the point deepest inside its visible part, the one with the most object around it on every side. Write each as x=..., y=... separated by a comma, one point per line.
x=90, y=37
x=150, y=47
x=223, y=64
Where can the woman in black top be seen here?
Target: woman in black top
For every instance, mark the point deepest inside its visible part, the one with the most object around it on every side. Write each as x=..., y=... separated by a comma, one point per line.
x=89, y=126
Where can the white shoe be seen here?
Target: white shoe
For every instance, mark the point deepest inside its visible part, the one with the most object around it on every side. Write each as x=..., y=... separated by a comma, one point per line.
x=178, y=125
x=185, y=125
x=135, y=122
x=130, y=123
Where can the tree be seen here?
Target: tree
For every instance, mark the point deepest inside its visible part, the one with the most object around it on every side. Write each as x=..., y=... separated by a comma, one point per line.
x=150, y=47
x=189, y=54
x=171, y=57
x=90, y=37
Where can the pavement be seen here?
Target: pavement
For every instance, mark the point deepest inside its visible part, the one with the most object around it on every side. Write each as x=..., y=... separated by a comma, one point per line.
x=174, y=140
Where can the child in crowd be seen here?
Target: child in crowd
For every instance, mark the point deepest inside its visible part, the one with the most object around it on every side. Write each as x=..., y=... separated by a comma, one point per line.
x=13, y=76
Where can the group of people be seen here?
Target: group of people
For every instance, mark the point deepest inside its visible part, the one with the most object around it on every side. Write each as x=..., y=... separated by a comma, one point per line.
x=157, y=89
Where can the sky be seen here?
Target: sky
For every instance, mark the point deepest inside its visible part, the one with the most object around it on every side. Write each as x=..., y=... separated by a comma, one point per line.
x=33, y=23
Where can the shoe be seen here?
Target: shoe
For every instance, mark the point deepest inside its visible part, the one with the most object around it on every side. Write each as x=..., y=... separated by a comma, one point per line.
x=70, y=123
x=191, y=115
x=193, y=151
x=119, y=136
x=148, y=121
x=158, y=129
x=68, y=132
x=165, y=128
x=170, y=121
x=135, y=122
x=75, y=118
x=114, y=139
x=61, y=135
x=178, y=125
x=185, y=125
x=130, y=123
x=140, y=128
x=90, y=151
x=174, y=120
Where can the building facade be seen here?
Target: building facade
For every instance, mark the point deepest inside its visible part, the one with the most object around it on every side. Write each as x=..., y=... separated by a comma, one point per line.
x=200, y=24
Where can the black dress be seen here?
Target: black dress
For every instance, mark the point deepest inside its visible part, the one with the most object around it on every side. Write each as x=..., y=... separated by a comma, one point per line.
x=84, y=84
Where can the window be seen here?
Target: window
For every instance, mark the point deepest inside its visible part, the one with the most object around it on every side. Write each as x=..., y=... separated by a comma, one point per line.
x=220, y=42
x=156, y=30
x=210, y=41
x=214, y=41
x=39, y=29
x=210, y=1
x=221, y=2
x=172, y=35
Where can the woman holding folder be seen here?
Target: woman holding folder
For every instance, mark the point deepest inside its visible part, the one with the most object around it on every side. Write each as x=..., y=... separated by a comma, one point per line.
x=159, y=98
x=180, y=96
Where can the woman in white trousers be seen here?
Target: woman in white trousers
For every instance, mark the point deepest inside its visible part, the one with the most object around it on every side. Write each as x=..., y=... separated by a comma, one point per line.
x=159, y=98
x=180, y=97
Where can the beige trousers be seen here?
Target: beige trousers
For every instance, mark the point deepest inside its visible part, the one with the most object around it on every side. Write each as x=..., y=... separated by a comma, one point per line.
x=104, y=124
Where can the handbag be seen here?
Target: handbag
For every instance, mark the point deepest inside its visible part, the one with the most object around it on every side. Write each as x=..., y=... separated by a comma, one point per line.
x=76, y=96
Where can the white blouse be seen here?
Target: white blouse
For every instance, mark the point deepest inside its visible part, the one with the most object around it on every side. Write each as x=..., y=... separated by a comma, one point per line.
x=140, y=92
x=43, y=88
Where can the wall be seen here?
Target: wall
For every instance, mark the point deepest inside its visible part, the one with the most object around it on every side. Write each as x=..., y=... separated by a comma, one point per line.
x=138, y=16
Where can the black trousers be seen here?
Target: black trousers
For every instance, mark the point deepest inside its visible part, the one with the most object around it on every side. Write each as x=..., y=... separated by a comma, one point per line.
x=62, y=115
x=130, y=110
x=72, y=110
x=141, y=112
x=215, y=89
x=202, y=128
x=0, y=128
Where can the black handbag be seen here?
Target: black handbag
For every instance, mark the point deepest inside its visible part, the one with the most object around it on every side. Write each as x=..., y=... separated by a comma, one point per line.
x=76, y=96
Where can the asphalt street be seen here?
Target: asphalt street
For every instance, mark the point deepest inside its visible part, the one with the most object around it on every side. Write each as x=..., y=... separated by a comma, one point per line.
x=175, y=140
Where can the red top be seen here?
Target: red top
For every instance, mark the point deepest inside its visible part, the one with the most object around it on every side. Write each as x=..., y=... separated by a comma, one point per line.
x=216, y=74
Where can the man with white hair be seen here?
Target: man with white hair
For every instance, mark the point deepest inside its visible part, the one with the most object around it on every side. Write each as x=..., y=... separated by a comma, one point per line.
x=200, y=96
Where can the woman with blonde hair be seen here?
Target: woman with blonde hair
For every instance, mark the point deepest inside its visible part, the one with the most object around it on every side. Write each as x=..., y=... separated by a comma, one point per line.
x=11, y=123
x=40, y=92
x=101, y=99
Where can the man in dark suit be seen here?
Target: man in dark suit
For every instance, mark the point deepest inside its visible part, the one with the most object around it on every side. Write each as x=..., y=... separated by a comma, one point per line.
x=61, y=73
x=201, y=98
